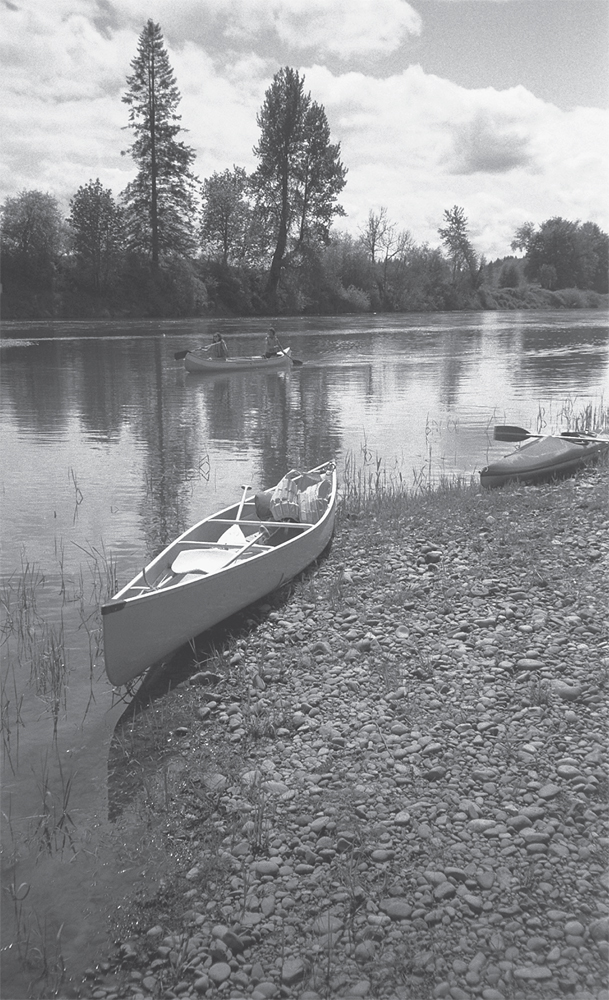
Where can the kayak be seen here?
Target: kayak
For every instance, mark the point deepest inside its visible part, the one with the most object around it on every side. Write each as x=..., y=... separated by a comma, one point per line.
x=545, y=458
x=223, y=563
x=198, y=363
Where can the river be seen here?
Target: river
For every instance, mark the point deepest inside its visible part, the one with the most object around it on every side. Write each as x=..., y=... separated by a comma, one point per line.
x=109, y=449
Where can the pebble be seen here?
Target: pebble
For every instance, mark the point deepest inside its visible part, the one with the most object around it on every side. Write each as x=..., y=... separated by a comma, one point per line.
x=419, y=808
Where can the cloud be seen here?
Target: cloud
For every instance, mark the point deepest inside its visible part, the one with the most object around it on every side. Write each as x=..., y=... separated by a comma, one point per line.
x=489, y=144
x=419, y=144
x=341, y=27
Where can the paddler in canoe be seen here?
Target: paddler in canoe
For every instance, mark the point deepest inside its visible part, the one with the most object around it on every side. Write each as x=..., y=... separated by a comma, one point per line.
x=272, y=345
x=217, y=349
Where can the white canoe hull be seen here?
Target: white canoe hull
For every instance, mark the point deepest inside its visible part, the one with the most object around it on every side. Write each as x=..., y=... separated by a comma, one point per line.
x=143, y=625
x=199, y=363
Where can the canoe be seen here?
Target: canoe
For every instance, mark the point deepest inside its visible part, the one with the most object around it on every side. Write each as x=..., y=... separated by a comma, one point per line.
x=219, y=566
x=543, y=459
x=199, y=363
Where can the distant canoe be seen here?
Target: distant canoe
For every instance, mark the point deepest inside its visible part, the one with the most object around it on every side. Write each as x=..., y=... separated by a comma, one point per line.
x=543, y=459
x=218, y=567
x=199, y=363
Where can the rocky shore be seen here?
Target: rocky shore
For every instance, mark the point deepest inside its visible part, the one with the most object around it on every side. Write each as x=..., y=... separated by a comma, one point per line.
x=391, y=784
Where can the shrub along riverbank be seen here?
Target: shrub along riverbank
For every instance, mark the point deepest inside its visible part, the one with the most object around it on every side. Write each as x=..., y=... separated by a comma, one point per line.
x=389, y=782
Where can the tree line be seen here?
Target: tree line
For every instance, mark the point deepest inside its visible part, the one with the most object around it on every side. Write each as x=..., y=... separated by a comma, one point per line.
x=265, y=242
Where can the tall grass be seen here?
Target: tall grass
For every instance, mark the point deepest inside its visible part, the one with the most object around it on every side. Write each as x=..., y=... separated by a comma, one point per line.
x=368, y=484
x=34, y=642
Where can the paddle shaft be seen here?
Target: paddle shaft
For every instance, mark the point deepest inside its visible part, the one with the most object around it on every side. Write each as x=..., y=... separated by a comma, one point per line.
x=295, y=361
x=180, y=355
x=245, y=488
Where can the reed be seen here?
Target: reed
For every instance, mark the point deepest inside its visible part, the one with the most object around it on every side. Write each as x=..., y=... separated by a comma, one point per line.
x=11, y=720
x=54, y=829
x=37, y=944
x=49, y=670
x=52, y=966
x=23, y=931
x=103, y=575
x=78, y=496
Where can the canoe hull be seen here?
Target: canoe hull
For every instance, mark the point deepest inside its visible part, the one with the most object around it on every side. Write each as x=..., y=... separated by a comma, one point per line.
x=197, y=363
x=143, y=630
x=543, y=459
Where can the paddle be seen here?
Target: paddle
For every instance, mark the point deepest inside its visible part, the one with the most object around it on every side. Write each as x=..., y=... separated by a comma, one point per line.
x=295, y=361
x=234, y=534
x=180, y=355
x=508, y=432
x=264, y=533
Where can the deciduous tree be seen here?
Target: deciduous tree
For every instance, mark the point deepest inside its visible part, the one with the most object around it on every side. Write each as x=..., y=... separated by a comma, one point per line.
x=564, y=254
x=594, y=257
x=160, y=201
x=97, y=233
x=455, y=237
x=299, y=175
x=33, y=243
x=523, y=236
x=384, y=244
x=227, y=216
x=33, y=234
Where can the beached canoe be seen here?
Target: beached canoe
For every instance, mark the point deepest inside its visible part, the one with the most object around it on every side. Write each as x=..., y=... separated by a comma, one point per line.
x=218, y=567
x=545, y=458
x=194, y=362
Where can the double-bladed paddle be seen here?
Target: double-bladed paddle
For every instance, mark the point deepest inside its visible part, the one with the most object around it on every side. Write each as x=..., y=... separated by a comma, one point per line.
x=508, y=432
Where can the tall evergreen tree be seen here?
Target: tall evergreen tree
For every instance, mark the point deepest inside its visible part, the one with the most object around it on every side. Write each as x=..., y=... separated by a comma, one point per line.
x=160, y=201
x=97, y=232
x=300, y=174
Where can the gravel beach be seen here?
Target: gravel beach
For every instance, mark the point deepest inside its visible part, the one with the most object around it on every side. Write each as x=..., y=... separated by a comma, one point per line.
x=390, y=783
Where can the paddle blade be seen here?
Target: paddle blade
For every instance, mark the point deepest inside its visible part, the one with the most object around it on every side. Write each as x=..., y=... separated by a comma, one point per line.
x=297, y=362
x=233, y=536
x=510, y=433
x=180, y=355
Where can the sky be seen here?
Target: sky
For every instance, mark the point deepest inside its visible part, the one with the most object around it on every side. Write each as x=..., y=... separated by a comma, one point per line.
x=498, y=106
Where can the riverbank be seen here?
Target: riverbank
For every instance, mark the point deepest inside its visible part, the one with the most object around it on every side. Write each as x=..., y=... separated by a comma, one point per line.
x=391, y=786
x=487, y=298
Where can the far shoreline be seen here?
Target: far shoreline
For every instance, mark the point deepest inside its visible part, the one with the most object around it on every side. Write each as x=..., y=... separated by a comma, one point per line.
x=485, y=299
